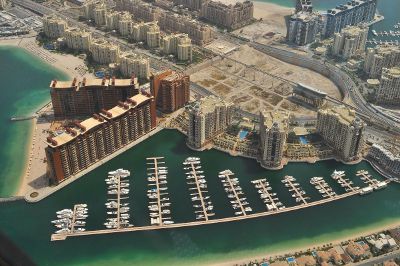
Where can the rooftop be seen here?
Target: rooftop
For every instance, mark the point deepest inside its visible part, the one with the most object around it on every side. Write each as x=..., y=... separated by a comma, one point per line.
x=208, y=104
x=275, y=117
x=104, y=83
x=345, y=115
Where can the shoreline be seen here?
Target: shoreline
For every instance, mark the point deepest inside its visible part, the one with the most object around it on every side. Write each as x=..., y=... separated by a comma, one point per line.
x=65, y=63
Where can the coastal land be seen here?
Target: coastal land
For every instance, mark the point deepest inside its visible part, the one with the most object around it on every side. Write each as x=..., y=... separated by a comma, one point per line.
x=72, y=66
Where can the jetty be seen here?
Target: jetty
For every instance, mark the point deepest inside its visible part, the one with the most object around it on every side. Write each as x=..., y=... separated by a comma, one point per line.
x=271, y=203
x=22, y=118
x=344, y=182
x=294, y=187
x=234, y=191
x=322, y=187
x=370, y=181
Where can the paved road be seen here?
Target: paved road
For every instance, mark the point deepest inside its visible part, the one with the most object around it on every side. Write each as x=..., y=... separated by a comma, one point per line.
x=377, y=260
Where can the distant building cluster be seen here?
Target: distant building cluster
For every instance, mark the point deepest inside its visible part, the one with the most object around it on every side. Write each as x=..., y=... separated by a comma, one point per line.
x=228, y=16
x=194, y=5
x=170, y=89
x=87, y=142
x=388, y=91
x=350, y=41
x=274, y=127
x=199, y=33
x=384, y=56
x=101, y=51
x=3, y=4
x=83, y=98
x=343, y=130
x=208, y=117
x=385, y=158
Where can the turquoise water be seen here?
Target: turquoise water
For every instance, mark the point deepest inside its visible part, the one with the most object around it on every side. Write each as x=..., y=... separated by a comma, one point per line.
x=28, y=225
x=24, y=88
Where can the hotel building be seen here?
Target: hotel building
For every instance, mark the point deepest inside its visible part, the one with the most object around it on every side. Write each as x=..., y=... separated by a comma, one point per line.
x=208, y=117
x=78, y=39
x=54, y=27
x=380, y=57
x=95, y=138
x=73, y=98
x=228, y=16
x=104, y=52
x=303, y=28
x=273, y=133
x=131, y=63
x=352, y=13
x=170, y=89
x=342, y=130
x=350, y=41
x=389, y=88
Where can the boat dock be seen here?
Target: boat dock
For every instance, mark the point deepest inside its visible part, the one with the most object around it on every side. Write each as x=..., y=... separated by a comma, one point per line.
x=233, y=189
x=294, y=187
x=195, y=177
x=271, y=203
x=370, y=181
x=157, y=176
x=344, y=182
x=322, y=187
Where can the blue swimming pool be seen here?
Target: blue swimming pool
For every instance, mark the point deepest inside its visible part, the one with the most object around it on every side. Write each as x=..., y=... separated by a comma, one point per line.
x=243, y=134
x=303, y=140
x=99, y=74
x=290, y=260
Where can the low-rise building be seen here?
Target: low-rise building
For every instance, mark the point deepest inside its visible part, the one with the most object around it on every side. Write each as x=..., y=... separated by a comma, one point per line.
x=343, y=131
x=131, y=63
x=274, y=127
x=350, y=41
x=358, y=251
x=208, y=117
x=54, y=27
x=380, y=57
x=78, y=39
x=388, y=91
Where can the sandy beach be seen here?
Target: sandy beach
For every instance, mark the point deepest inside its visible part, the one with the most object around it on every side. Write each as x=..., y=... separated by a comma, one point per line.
x=35, y=167
x=266, y=256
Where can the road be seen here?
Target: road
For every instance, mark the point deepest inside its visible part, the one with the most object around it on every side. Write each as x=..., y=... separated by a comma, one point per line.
x=378, y=260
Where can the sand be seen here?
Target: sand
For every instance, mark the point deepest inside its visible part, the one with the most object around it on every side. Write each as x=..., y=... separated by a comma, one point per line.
x=35, y=167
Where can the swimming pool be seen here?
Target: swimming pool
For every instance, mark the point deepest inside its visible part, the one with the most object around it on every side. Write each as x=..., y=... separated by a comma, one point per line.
x=303, y=140
x=243, y=134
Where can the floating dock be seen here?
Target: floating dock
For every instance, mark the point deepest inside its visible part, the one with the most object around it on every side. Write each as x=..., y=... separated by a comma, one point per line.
x=293, y=187
x=232, y=188
x=271, y=203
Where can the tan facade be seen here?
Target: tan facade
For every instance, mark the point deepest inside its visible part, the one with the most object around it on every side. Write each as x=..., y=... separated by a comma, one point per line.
x=381, y=57
x=78, y=39
x=104, y=52
x=350, y=41
x=130, y=63
x=54, y=27
x=389, y=88
x=178, y=45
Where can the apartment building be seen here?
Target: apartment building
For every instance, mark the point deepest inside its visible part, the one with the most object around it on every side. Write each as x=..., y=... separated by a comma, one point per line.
x=274, y=126
x=384, y=56
x=95, y=138
x=304, y=5
x=194, y=5
x=352, y=13
x=350, y=42
x=388, y=92
x=208, y=117
x=54, y=27
x=170, y=90
x=385, y=158
x=342, y=130
x=303, y=28
x=104, y=52
x=179, y=45
x=78, y=39
x=84, y=98
x=125, y=24
x=100, y=12
x=89, y=7
x=228, y=16
x=3, y=4
x=131, y=63
x=148, y=33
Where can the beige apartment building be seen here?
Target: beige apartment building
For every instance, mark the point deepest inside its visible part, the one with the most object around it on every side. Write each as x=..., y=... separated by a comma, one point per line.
x=343, y=131
x=179, y=45
x=274, y=126
x=78, y=39
x=194, y=5
x=131, y=63
x=100, y=12
x=388, y=91
x=54, y=27
x=350, y=41
x=384, y=56
x=89, y=7
x=104, y=52
x=148, y=32
x=228, y=16
x=208, y=117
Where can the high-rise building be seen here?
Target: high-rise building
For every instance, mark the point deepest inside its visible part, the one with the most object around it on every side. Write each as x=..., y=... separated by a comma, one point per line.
x=104, y=52
x=130, y=63
x=350, y=41
x=125, y=24
x=274, y=126
x=89, y=7
x=3, y=4
x=303, y=28
x=385, y=56
x=386, y=158
x=89, y=96
x=194, y=5
x=389, y=89
x=170, y=89
x=228, y=16
x=352, y=13
x=100, y=15
x=78, y=39
x=342, y=130
x=304, y=5
x=54, y=27
x=179, y=45
x=208, y=117
x=93, y=139
x=153, y=36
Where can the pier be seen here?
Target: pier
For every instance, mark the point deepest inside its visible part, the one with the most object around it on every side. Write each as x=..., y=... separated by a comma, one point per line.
x=367, y=179
x=323, y=187
x=232, y=186
x=293, y=187
x=345, y=183
x=272, y=204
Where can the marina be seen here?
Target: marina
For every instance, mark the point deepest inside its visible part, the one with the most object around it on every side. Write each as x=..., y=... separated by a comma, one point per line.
x=71, y=221
x=237, y=199
x=370, y=181
x=195, y=177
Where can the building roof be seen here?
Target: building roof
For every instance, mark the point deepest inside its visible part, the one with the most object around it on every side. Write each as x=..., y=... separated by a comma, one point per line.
x=306, y=261
x=275, y=117
x=104, y=83
x=345, y=115
x=208, y=104
x=308, y=91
